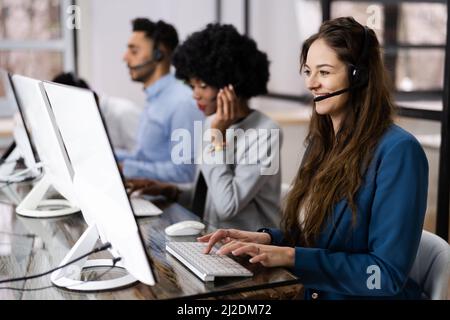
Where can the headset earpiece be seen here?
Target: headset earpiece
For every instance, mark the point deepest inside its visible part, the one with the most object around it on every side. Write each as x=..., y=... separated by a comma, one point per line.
x=157, y=55
x=358, y=76
x=352, y=73
x=358, y=73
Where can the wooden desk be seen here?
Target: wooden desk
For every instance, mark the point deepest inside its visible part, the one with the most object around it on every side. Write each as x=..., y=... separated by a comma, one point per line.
x=31, y=246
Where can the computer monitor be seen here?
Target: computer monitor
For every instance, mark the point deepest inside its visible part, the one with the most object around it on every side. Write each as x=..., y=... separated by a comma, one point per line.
x=57, y=170
x=22, y=147
x=100, y=189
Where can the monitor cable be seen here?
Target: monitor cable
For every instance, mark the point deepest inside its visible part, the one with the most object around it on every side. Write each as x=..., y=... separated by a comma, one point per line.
x=99, y=249
x=115, y=260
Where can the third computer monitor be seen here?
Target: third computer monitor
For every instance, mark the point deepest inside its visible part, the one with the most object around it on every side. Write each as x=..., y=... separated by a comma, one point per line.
x=23, y=145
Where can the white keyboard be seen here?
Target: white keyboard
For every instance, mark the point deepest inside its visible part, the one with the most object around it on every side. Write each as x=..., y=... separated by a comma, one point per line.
x=206, y=266
x=144, y=208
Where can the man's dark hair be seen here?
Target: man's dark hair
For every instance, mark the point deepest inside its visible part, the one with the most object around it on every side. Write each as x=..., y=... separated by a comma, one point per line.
x=70, y=79
x=160, y=32
x=219, y=55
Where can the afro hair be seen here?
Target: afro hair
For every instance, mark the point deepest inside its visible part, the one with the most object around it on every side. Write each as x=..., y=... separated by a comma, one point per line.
x=219, y=55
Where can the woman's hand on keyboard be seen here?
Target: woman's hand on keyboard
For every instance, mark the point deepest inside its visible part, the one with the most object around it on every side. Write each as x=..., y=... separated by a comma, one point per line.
x=226, y=236
x=267, y=255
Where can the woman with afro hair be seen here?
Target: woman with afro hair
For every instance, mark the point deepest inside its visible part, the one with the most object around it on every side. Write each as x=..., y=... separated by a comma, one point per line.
x=238, y=178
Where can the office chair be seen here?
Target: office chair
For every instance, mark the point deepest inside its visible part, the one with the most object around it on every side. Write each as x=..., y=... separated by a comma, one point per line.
x=431, y=267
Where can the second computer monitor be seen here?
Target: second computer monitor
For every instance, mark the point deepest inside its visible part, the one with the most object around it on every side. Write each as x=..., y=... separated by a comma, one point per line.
x=57, y=170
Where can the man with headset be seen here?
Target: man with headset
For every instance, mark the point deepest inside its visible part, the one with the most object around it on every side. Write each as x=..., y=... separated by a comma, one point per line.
x=170, y=105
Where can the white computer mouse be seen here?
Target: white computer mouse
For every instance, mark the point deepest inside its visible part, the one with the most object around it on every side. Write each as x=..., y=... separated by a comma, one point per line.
x=185, y=228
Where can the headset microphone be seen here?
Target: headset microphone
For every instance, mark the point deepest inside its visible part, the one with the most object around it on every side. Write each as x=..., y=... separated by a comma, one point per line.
x=142, y=65
x=336, y=93
x=158, y=56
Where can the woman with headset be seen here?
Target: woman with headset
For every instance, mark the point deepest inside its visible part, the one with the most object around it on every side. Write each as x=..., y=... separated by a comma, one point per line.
x=353, y=218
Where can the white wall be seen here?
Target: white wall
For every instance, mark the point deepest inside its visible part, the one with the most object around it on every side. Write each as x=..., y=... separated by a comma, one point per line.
x=106, y=27
x=279, y=28
x=233, y=13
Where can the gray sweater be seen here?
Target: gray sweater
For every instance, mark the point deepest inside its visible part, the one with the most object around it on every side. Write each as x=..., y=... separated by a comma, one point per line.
x=244, y=180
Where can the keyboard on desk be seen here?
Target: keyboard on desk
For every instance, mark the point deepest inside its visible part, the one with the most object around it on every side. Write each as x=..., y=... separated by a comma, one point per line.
x=206, y=266
x=144, y=208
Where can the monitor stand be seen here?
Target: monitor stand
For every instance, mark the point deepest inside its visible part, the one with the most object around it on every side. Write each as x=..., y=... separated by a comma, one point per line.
x=11, y=194
x=35, y=206
x=64, y=278
x=7, y=168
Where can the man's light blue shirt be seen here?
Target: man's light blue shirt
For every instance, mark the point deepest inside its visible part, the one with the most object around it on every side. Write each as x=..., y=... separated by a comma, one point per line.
x=169, y=107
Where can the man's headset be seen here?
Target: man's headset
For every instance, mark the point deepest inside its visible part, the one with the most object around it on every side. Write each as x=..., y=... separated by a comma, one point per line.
x=358, y=73
x=157, y=54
